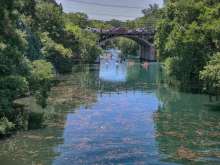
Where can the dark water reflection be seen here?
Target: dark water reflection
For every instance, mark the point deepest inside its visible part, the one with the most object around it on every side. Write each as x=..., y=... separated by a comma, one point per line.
x=133, y=119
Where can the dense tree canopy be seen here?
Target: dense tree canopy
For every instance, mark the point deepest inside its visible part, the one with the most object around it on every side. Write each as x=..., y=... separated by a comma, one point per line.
x=13, y=64
x=211, y=74
x=35, y=42
x=187, y=36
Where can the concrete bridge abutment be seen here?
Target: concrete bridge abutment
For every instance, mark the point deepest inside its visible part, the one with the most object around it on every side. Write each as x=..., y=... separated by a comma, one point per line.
x=147, y=53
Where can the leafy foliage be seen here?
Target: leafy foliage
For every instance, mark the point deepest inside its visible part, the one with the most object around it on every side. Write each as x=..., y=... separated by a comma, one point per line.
x=5, y=126
x=13, y=65
x=79, y=19
x=187, y=36
x=127, y=46
x=87, y=48
x=49, y=18
x=211, y=74
x=57, y=54
x=33, y=35
x=41, y=71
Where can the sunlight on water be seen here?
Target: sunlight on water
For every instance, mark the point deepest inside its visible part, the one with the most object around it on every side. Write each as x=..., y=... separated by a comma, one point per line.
x=110, y=70
x=119, y=128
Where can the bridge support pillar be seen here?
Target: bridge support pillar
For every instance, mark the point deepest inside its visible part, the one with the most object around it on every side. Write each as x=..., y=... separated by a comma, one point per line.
x=147, y=53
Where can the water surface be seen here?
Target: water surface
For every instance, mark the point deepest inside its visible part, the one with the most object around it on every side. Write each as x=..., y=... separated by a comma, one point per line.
x=128, y=117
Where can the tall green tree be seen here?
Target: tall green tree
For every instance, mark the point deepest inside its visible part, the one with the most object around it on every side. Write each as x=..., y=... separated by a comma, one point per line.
x=80, y=19
x=49, y=18
x=211, y=75
x=187, y=35
x=13, y=65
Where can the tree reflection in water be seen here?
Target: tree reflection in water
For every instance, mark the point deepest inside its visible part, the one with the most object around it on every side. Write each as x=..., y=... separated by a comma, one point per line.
x=137, y=120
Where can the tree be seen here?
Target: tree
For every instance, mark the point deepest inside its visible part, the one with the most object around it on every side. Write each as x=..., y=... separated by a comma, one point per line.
x=116, y=23
x=87, y=49
x=41, y=76
x=13, y=65
x=127, y=46
x=80, y=19
x=153, y=8
x=211, y=75
x=34, y=42
x=187, y=36
x=49, y=18
x=99, y=24
x=57, y=54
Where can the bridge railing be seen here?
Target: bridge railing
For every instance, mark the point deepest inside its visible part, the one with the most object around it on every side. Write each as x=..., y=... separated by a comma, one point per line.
x=122, y=31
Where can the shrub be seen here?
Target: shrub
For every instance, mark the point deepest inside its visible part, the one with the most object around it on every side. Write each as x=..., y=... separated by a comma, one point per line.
x=5, y=126
x=36, y=120
x=211, y=74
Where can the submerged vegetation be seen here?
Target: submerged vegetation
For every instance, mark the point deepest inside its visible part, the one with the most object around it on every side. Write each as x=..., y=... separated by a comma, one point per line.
x=39, y=41
x=116, y=112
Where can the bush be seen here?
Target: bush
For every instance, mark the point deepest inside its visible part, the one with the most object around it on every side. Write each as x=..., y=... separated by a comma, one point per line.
x=211, y=74
x=5, y=126
x=36, y=120
x=41, y=79
x=42, y=71
x=128, y=46
x=18, y=85
x=87, y=48
x=11, y=87
x=57, y=54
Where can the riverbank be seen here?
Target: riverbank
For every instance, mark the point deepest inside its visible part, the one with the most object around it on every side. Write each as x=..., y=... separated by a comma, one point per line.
x=28, y=115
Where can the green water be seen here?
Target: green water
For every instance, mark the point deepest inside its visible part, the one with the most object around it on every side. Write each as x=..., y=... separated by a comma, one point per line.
x=120, y=114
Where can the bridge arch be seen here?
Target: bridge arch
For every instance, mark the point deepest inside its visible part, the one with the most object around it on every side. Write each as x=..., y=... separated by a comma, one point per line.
x=140, y=41
x=147, y=49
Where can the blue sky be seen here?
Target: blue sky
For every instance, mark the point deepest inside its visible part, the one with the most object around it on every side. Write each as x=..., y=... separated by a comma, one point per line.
x=108, y=9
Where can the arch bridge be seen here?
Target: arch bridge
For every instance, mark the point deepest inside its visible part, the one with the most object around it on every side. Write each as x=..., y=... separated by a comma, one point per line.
x=142, y=36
